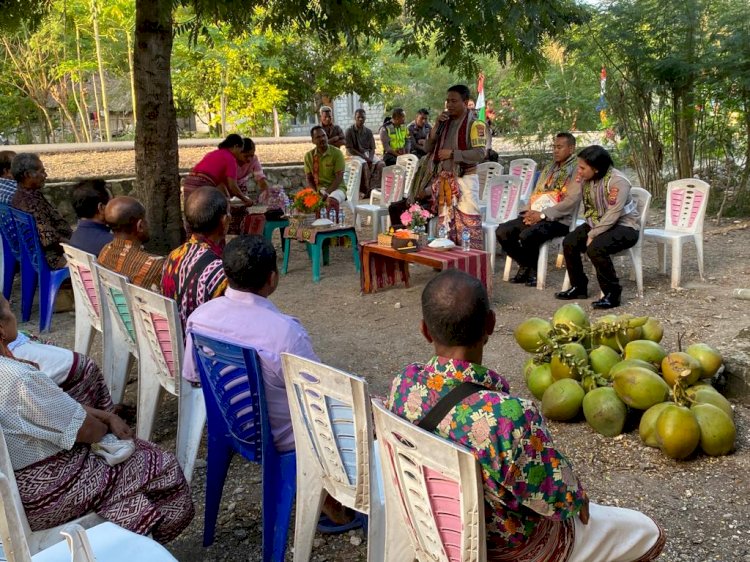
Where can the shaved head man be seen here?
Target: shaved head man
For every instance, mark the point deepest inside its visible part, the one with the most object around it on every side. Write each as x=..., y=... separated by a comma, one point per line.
x=126, y=216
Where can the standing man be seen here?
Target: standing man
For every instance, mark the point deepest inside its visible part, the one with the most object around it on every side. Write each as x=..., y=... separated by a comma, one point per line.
x=334, y=132
x=522, y=237
x=457, y=144
x=395, y=137
x=360, y=142
x=419, y=130
x=324, y=169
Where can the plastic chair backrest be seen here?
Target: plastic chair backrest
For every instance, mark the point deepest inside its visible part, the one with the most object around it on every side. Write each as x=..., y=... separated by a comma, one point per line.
x=85, y=284
x=410, y=163
x=524, y=168
x=438, y=487
x=13, y=512
x=9, y=231
x=113, y=288
x=503, y=196
x=15, y=547
x=28, y=237
x=159, y=334
x=642, y=199
x=235, y=397
x=392, y=183
x=352, y=177
x=486, y=172
x=332, y=408
x=686, y=205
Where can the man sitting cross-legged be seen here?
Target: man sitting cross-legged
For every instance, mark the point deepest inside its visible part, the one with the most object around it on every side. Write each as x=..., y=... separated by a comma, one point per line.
x=125, y=255
x=535, y=507
x=193, y=273
x=246, y=316
x=521, y=238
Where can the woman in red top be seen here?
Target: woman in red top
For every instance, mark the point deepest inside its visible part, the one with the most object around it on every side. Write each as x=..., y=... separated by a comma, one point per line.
x=218, y=169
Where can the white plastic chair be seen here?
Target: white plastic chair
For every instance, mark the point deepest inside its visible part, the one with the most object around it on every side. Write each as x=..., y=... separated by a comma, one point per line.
x=87, y=298
x=687, y=200
x=434, y=499
x=333, y=437
x=410, y=163
x=160, y=350
x=15, y=527
x=392, y=189
x=352, y=179
x=541, y=263
x=486, y=173
x=524, y=168
x=642, y=199
x=119, y=331
x=502, y=197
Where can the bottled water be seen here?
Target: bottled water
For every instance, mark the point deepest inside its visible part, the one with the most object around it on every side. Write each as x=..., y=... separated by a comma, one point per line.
x=323, y=213
x=441, y=231
x=341, y=217
x=466, y=240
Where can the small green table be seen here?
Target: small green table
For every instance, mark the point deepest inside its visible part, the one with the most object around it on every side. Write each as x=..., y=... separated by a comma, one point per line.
x=316, y=249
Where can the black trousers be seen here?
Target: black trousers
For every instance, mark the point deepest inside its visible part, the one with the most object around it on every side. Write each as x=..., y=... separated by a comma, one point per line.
x=616, y=239
x=389, y=159
x=522, y=242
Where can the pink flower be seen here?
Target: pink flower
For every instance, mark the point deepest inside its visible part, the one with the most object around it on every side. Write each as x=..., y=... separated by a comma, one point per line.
x=406, y=217
x=426, y=214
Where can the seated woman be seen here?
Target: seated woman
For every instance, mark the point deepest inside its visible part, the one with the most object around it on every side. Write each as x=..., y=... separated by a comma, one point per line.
x=612, y=223
x=218, y=169
x=49, y=435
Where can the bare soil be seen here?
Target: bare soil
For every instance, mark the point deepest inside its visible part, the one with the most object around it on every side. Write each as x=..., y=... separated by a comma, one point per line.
x=702, y=503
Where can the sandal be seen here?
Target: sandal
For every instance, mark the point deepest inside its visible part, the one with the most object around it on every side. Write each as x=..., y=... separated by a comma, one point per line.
x=328, y=527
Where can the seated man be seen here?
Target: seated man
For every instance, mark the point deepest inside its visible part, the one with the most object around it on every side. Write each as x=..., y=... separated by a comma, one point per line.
x=50, y=431
x=336, y=136
x=395, y=137
x=193, y=273
x=419, y=130
x=89, y=199
x=246, y=316
x=361, y=142
x=125, y=254
x=8, y=185
x=535, y=507
x=522, y=237
x=53, y=229
x=324, y=168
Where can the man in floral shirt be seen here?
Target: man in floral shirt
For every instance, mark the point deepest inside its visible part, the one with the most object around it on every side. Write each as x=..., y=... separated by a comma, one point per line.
x=536, y=509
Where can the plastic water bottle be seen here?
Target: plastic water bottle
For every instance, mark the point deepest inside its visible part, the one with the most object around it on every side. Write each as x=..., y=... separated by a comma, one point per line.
x=442, y=231
x=341, y=217
x=466, y=240
x=323, y=213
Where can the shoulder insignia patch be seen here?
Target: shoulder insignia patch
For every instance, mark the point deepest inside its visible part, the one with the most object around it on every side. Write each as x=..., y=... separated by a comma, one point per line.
x=613, y=193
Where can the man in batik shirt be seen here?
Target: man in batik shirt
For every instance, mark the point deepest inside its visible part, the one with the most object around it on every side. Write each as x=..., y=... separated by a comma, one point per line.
x=536, y=509
x=456, y=145
x=522, y=237
x=194, y=273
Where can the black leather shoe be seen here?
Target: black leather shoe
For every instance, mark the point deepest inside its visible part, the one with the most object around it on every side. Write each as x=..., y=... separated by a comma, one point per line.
x=572, y=293
x=531, y=282
x=609, y=300
x=522, y=276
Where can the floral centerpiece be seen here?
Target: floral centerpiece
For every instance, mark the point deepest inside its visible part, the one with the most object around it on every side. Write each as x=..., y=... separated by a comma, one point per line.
x=415, y=218
x=307, y=201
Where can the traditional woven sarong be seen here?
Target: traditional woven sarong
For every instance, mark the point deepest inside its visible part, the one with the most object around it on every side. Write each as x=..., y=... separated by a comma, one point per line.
x=85, y=384
x=456, y=204
x=146, y=494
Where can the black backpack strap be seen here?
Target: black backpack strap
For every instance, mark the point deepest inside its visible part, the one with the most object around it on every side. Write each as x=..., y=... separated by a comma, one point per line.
x=447, y=402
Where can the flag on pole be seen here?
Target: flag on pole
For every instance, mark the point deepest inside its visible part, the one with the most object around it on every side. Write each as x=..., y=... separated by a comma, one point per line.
x=479, y=106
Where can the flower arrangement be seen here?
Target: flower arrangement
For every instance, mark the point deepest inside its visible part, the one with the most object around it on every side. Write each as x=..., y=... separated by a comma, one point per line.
x=307, y=200
x=415, y=216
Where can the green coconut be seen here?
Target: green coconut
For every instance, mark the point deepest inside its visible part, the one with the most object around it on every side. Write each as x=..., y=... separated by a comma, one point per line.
x=562, y=400
x=604, y=411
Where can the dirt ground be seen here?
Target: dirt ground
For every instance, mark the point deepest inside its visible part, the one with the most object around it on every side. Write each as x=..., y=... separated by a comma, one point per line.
x=702, y=503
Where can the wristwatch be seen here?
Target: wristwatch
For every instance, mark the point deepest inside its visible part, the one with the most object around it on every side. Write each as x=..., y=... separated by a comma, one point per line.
x=543, y=216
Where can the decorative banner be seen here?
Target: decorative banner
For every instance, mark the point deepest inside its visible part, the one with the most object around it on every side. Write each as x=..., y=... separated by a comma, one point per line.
x=479, y=106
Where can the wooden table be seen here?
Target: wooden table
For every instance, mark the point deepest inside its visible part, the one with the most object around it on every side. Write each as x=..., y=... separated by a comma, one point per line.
x=381, y=265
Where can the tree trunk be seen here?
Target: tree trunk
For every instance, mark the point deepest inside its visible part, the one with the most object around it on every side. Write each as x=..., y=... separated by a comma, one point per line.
x=97, y=42
x=276, y=125
x=84, y=106
x=132, y=75
x=156, y=158
x=98, y=109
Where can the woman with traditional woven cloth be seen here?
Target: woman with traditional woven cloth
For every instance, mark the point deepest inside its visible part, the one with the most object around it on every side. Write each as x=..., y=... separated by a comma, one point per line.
x=51, y=435
x=611, y=225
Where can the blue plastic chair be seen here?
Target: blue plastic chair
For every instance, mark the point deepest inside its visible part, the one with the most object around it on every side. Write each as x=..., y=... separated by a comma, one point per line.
x=238, y=422
x=49, y=279
x=12, y=254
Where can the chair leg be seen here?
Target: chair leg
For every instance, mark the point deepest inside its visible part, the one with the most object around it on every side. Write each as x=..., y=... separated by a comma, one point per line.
x=84, y=332
x=541, y=267
x=355, y=252
x=566, y=282
x=47, y=293
x=661, y=253
x=310, y=495
x=220, y=454
x=676, y=263
x=376, y=526
x=490, y=245
x=375, y=226
x=117, y=363
x=636, y=256
x=279, y=488
x=285, y=265
x=191, y=419
x=29, y=282
x=315, y=253
x=149, y=395
x=9, y=273
x=698, y=238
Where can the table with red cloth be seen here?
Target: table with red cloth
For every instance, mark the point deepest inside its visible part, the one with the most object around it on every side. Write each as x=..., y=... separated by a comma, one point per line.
x=382, y=266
